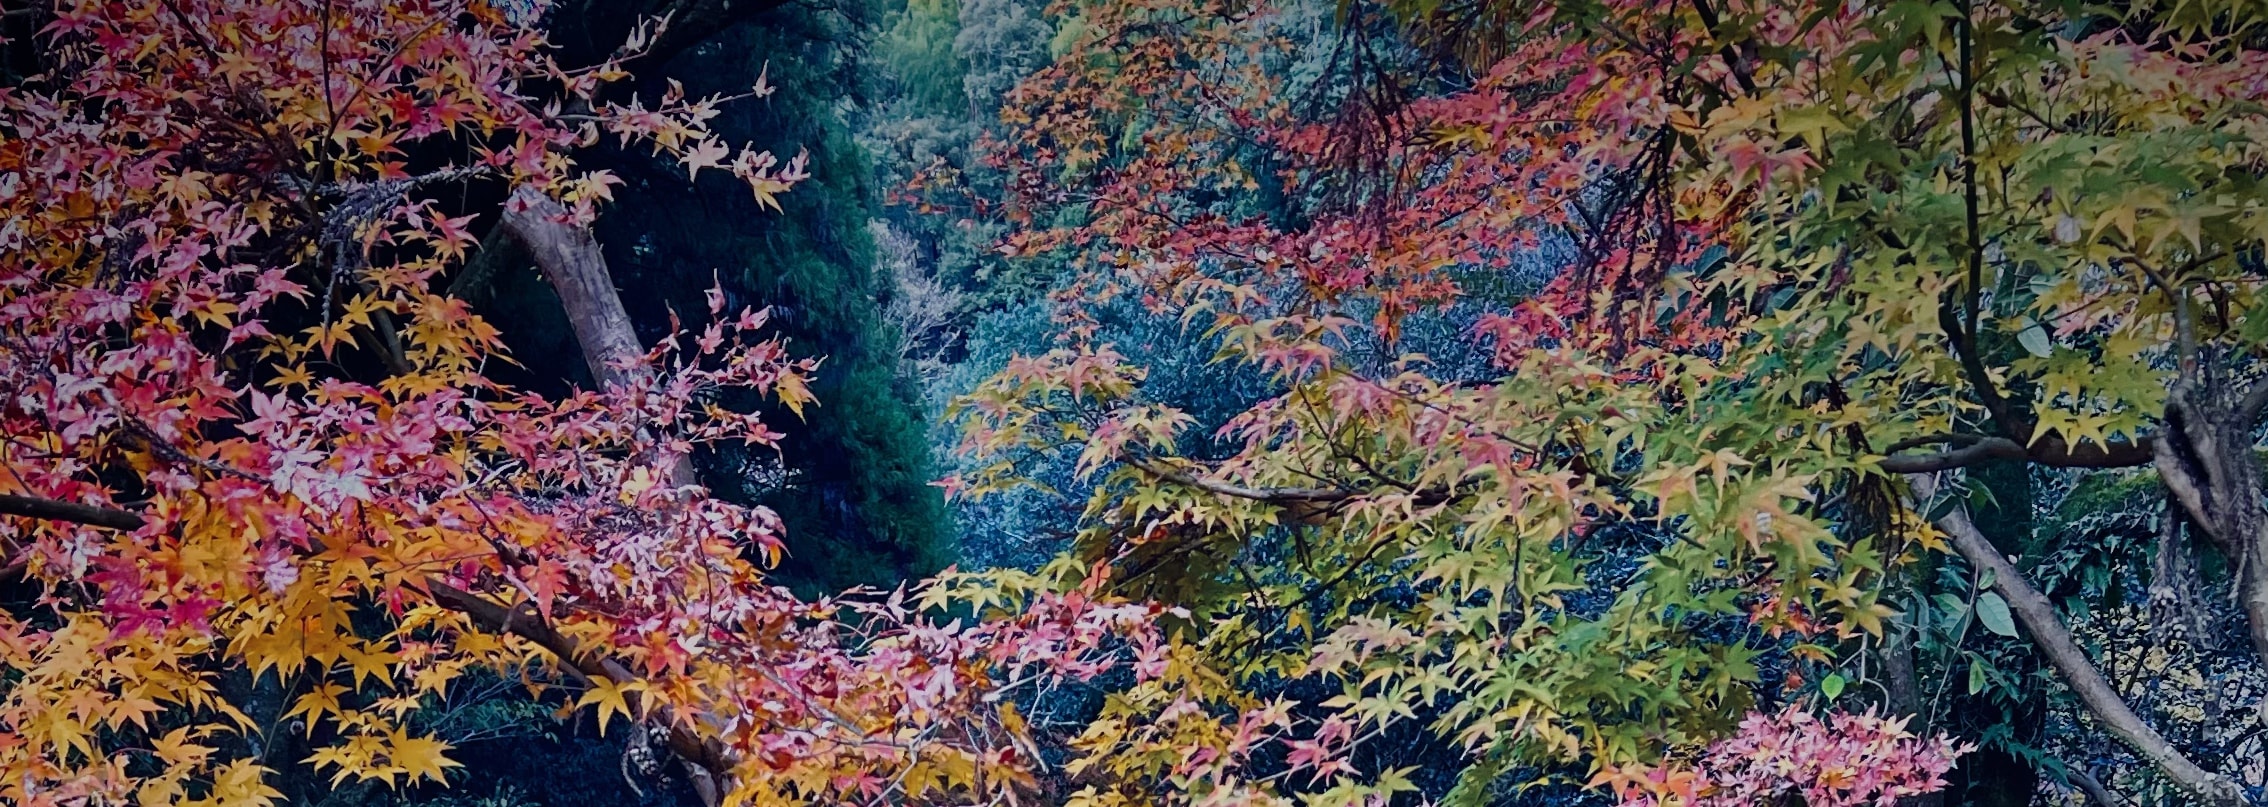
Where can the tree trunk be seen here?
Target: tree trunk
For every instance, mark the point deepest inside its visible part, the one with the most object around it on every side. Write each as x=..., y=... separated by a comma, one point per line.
x=2204, y=457
x=571, y=260
x=575, y=266
x=1902, y=684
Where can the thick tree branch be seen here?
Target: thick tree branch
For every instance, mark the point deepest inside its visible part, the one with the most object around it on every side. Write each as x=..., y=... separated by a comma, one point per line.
x=1962, y=337
x=575, y=266
x=523, y=622
x=573, y=263
x=52, y=510
x=2254, y=403
x=2054, y=639
x=1973, y=296
x=2205, y=459
x=1902, y=694
x=1972, y=449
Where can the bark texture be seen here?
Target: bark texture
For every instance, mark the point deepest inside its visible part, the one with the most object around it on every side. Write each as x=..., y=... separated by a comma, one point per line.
x=573, y=263
x=2206, y=460
x=575, y=266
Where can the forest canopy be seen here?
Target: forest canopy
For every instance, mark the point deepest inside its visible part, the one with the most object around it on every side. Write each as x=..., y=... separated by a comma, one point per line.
x=1133, y=402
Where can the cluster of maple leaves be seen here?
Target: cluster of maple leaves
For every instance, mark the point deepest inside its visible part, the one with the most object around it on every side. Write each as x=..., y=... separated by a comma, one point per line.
x=228, y=357
x=246, y=428
x=1797, y=234
x=1846, y=760
x=1476, y=497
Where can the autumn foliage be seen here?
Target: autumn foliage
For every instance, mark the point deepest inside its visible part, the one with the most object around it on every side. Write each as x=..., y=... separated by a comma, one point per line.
x=1771, y=268
x=1846, y=760
x=1749, y=284
x=231, y=362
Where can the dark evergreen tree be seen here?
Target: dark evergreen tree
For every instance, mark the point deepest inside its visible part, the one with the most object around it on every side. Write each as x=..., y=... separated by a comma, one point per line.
x=851, y=479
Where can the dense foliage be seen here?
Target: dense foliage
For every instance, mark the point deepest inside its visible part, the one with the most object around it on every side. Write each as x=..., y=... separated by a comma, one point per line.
x=1803, y=239
x=1467, y=402
x=850, y=480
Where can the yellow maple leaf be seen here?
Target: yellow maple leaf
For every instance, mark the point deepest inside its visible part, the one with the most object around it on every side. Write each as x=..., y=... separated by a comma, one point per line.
x=378, y=665
x=793, y=393
x=177, y=749
x=322, y=700
x=610, y=698
x=420, y=757
x=243, y=783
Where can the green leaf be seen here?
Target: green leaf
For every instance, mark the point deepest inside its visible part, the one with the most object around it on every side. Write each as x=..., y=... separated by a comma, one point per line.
x=1832, y=686
x=1993, y=612
x=2035, y=341
x=1976, y=676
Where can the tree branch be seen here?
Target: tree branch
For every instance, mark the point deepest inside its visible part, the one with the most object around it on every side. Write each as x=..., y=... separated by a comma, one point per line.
x=2052, y=451
x=1735, y=61
x=2055, y=642
x=2205, y=459
x=53, y=510
x=2254, y=402
x=1277, y=495
x=1972, y=366
x=573, y=263
x=521, y=621
x=2097, y=795
x=576, y=268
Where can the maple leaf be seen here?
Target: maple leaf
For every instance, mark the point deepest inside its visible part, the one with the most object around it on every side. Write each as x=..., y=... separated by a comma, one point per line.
x=243, y=783
x=792, y=392
x=420, y=757
x=1737, y=315
x=178, y=747
x=454, y=238
x=322, y=700
x=763, y=85
x=367, y=664
x=708, y=153
x=547, y=579
x=611, y=698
